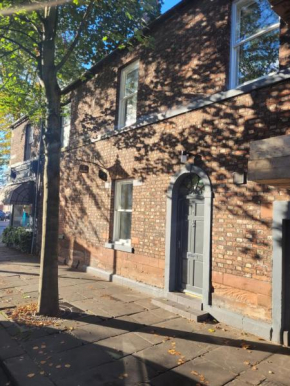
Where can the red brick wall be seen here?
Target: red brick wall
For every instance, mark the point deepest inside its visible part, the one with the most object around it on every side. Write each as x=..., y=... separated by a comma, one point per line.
x=190, y=58
x=18, y=143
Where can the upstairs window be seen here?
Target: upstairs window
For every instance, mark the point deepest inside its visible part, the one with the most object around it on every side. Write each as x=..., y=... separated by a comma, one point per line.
x=128, y=95
x=255, y=41
x=123, y=212
x=66, y=125
x=28, y=142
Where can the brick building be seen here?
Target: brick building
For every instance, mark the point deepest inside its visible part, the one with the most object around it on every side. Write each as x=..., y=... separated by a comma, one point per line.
x=175, y=176
x=22, y=189
x=132, y=212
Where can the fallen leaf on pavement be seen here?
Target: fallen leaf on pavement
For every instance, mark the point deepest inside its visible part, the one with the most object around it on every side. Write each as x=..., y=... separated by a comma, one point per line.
x=122, y=376
x=31, y=375
x=245, y=346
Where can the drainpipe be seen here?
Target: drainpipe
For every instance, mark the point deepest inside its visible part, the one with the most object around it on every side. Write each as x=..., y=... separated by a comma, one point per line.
x=36, y=191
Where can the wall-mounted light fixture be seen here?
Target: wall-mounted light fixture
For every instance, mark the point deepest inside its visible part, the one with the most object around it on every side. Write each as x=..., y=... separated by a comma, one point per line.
x=239, y=178
x=13, y=174
x=184, y=156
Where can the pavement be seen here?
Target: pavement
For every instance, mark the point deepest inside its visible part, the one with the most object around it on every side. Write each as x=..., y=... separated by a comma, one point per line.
x=113, y=336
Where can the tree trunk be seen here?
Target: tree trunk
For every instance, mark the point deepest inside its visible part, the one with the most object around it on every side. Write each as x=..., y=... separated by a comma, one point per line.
x=48, y=287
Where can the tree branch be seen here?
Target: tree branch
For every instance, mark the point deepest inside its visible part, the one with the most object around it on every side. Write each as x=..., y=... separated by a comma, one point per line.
x=7, y=53
x=20, y=46
x=21, y=17
x=18, y=31
x=77, y=37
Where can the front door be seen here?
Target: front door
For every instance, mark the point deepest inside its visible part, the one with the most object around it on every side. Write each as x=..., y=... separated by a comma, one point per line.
x=190, y=239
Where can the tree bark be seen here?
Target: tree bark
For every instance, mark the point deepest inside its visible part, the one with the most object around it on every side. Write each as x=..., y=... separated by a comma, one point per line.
x=48, y=303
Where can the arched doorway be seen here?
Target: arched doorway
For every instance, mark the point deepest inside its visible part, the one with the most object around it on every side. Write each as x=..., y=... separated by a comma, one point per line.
x=188, y=233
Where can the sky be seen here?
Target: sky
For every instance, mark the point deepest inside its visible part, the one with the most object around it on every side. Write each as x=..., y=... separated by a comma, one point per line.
x=168, y=4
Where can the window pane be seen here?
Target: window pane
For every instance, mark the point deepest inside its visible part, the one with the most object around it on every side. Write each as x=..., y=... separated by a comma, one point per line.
x=130, y=110
x=258, y=57
x=254, y=17
x=126, y=196
x=131, y=85
x=65, y=136
x=125, y=225
x=28, y=142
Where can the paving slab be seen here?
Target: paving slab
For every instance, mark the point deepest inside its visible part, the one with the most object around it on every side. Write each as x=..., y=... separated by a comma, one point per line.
x=272, y=383
x=127, y=371
x=4, y=381
x=238, y=382
x=23, y=333
x=163, y=314
x=118, y=308
x=40, y=349
x=250, y=377
x=75, y=361
x=92, y=306
x=106, y=329
x=177, y=326
x=70, y=296
x=146, y=303
x=170, y=353
x=236, y=359
x=148, y=318
x=8, y=347
x=152, y=335
x=276, y=368
x=24, y=372
x=130, y=296
x=199, y=371
x=123, y=345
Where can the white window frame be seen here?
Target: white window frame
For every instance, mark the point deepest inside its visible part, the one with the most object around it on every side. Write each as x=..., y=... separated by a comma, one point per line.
x=122, y=98
x=235, y=46
x=117, y=210
x=67, y=126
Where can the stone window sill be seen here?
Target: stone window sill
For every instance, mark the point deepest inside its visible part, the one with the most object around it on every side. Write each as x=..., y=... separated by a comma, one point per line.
x=119, y=247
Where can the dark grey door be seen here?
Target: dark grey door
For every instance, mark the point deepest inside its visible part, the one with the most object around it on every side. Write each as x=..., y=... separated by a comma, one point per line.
x=190, y=243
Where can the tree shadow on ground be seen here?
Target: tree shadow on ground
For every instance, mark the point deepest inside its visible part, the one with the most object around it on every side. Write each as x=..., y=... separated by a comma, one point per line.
x=68, y=359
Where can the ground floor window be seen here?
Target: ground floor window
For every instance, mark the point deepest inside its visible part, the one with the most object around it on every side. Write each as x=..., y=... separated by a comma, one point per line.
x=22, y=216
x=123, y=212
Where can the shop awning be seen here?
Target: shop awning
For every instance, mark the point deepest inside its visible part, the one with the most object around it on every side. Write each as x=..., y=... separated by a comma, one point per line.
x=18, y=194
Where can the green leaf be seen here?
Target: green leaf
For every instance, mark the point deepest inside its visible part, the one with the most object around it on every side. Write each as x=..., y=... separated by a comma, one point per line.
x=129, y=16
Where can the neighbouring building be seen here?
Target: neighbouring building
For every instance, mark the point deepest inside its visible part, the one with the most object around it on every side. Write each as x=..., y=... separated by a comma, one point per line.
x=22, y=193
x=21, y=189
x=175, y=174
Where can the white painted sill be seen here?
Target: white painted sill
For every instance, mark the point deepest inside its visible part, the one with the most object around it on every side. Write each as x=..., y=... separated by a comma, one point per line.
x=120, y=247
